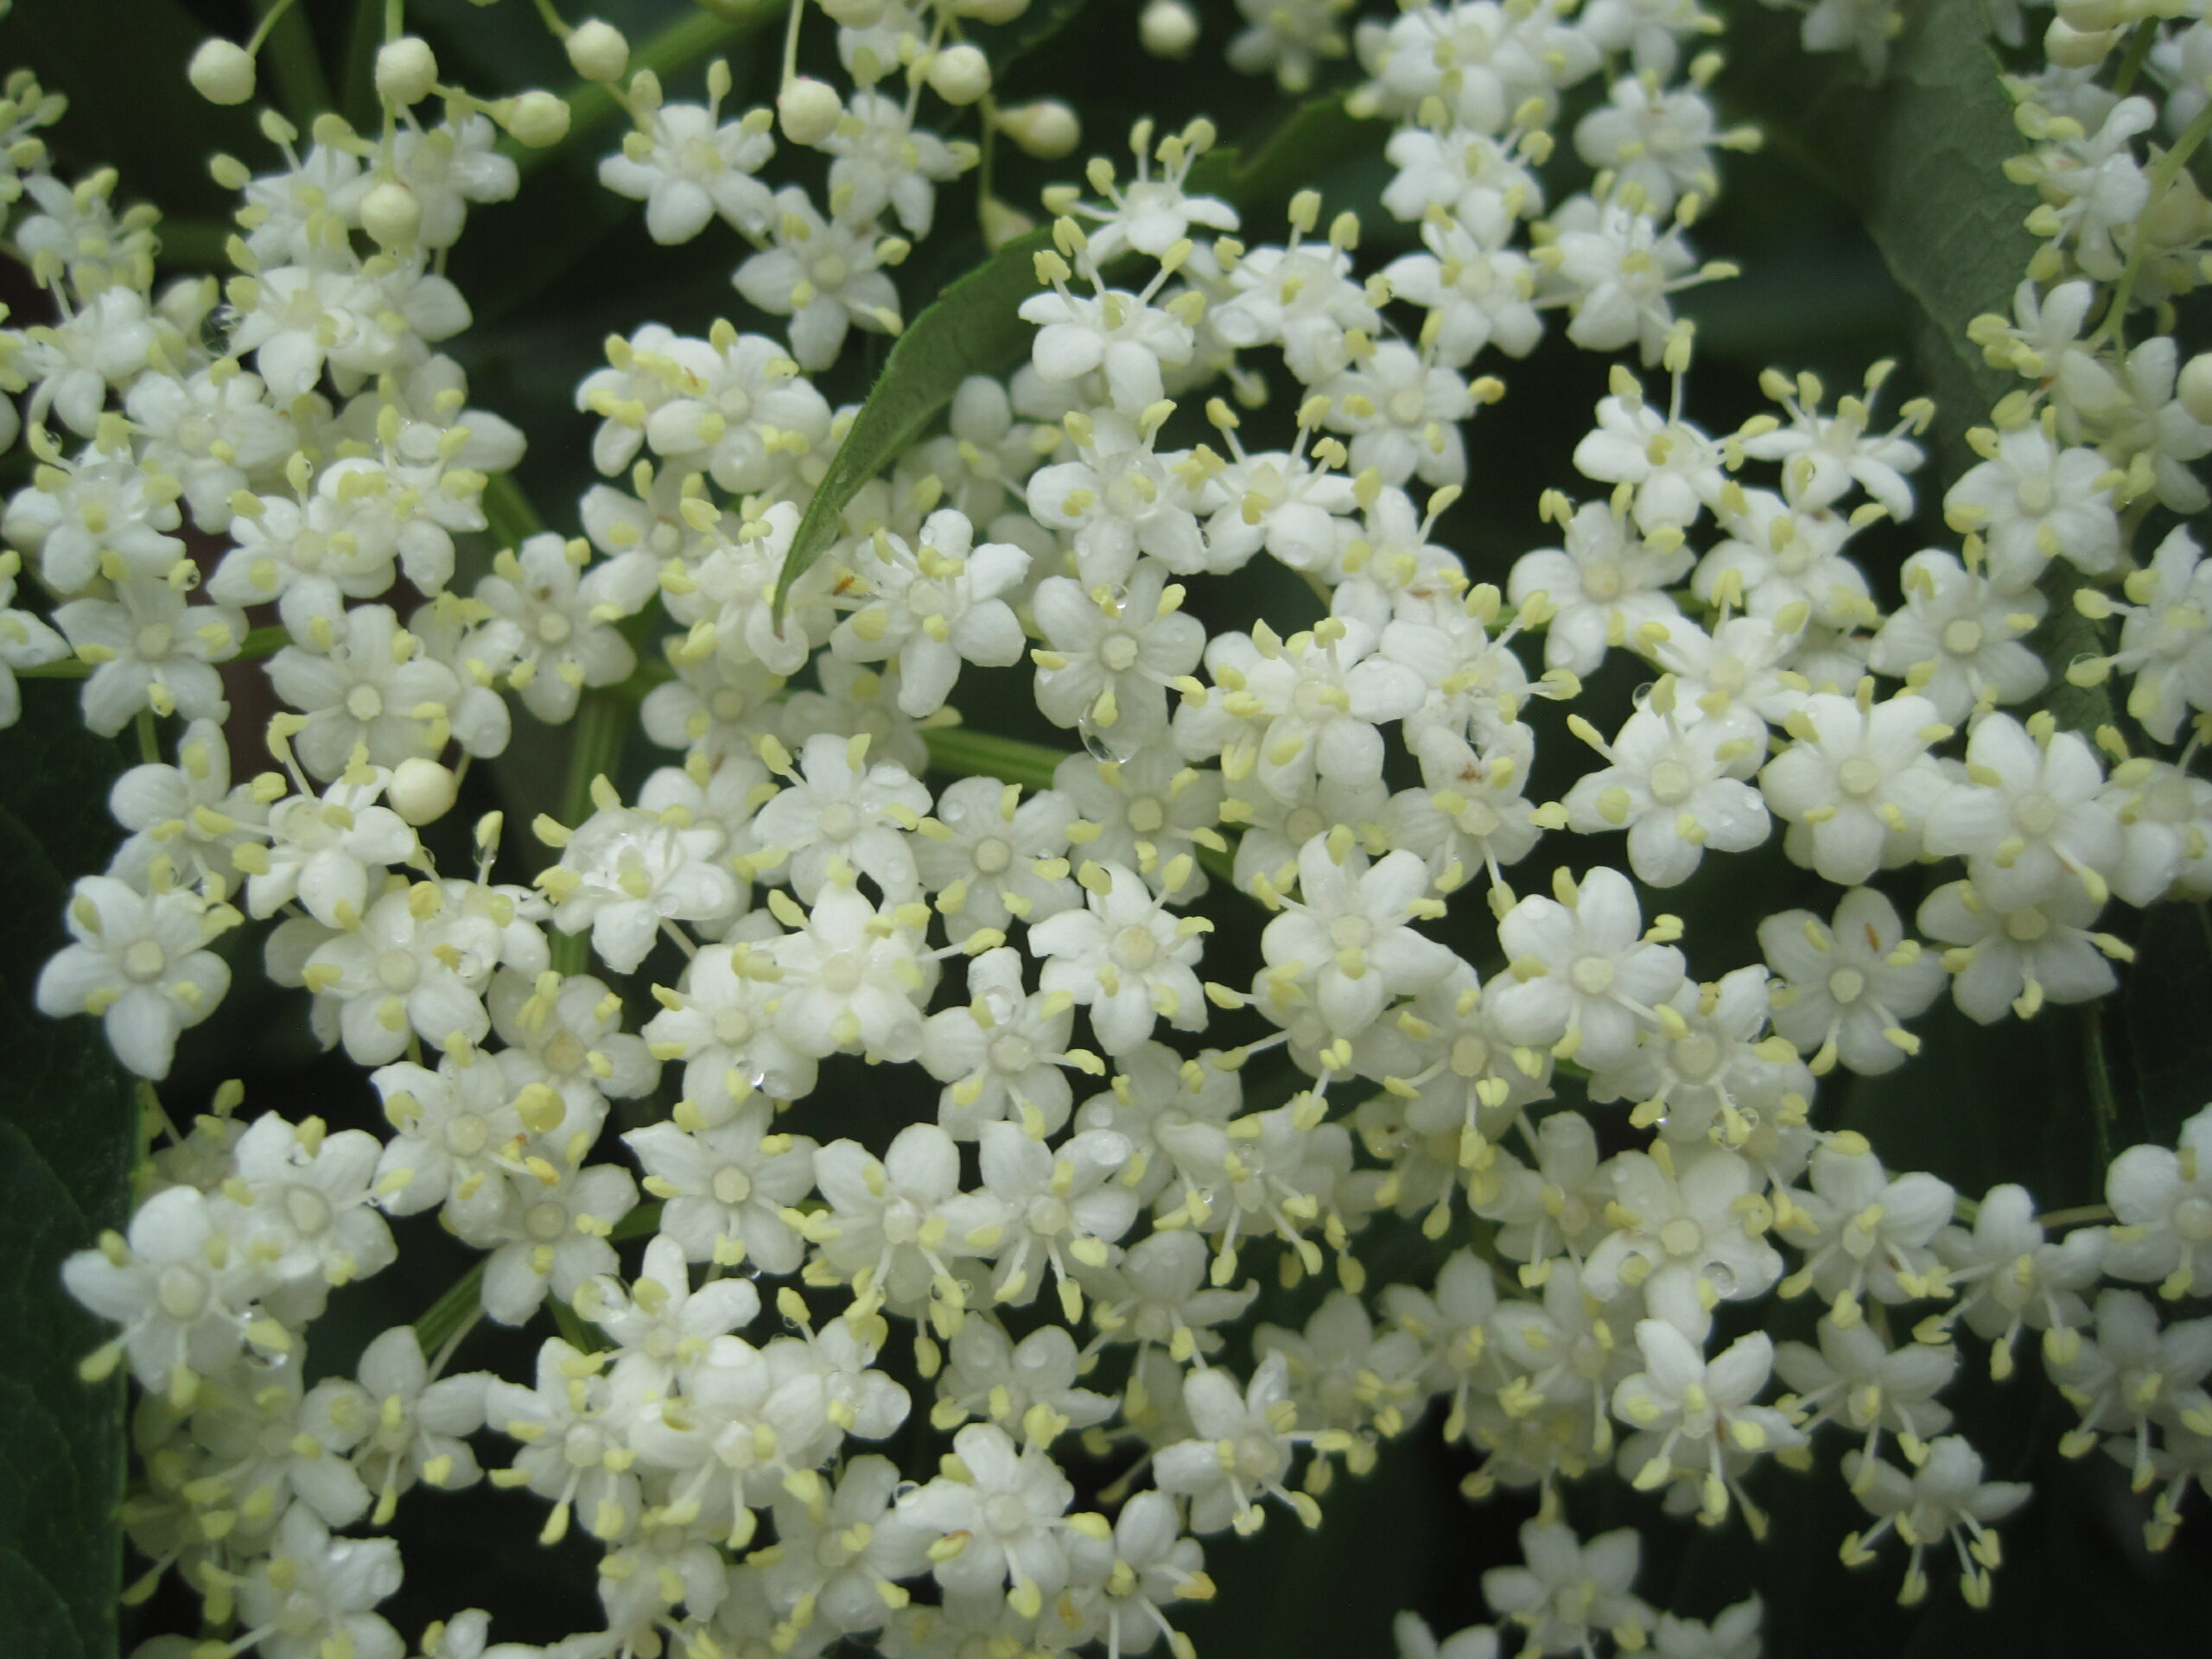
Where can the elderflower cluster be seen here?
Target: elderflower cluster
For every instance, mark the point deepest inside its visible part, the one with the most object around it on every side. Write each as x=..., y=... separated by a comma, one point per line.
x=1242, y=980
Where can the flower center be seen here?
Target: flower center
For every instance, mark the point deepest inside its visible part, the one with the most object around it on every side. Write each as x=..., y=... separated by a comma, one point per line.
x=839, y=821
x=1602, y=580
x=840, y=973
x=1962, y=638
x=1592, y=976
x=732, y=1184
x=734, y=1025
x=1846, y=985
x=553, y=627
x=466, y=1135
x=1119, y=653
x=307, y=1210
x=1146, y=814
x=1135, y=949
x=365, y=703
x=398, y=970
x=2037, y=814
x=1013, y=1054
x=1859, y=776
x=546, y=1222
x=993, y=855
x=181, y=1293
x=144, y=959
x=1680, y=1236
x=1670, y=782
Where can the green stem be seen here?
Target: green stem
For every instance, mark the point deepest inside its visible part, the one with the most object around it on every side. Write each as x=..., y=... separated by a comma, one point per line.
x=2082, y=1216
x=451, y=1310
x=293, y=64
x=967, y=753
x=2139, y=48
x=510, y=514
x=2163, y=173
x=677, y=46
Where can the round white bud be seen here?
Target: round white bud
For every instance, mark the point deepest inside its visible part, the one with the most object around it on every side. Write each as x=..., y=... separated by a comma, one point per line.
x=598, y=52
x=221, y=71
x=2073, y=48
x=808, y=110
x=421, y=791
x=1047, y=129
x=854, y=14
x=2195, y=389
x=406, y=70
x=1168, y=29
x=538, y=120
x=960, y=74
x=391, y=214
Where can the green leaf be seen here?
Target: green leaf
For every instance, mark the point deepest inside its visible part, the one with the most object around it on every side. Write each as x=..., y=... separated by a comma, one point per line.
x=68, y=1126
x=1921, y=156
x=974, y=327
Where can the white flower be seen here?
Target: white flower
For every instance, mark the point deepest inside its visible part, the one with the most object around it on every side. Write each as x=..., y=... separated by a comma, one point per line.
x=932, y=607
x=1863, y=1231
x=1606, y=586
x=1126, y=958
x=822, y=274
x=313, y=1594
x=1121, y=499
x=894, y=1225
x=140, y=964
x=25, y=642
x=1687, y=1232
x=1570, y=1592
x=1957, y=641
x=1000, y=1055
x=1855, y=1378
x=1287, y=38
x=1677, y=790
x=375, y=685
x=1581, y=977
x=885, y=161
x=2166, y=638
x=75, y=520
x=2164, y=1202
x=1109, y=661
x=1476, y=296
x=554, y=623
x=148, y=649
x=448, y=166
x=1241, y=1449
x=687, y=165
x=1858, y=783
x=625, y=871
x=1150, y=214
x=412, y=1428
x=554, y=1237
x=183, y=1295
x=1688, y=1410
x=1945, y=1497
x=1007, y=1509
x=2013, y=1276
x=1066, y=1205
x=2029, y=818
x=1852, y=986
x=2032, y=502
x=836, y=807
x=1303, y=296
x=1677, y=470
x=417, y=965
x=725, y=1190
x=1823, y=456
x=1123, y=335
x=305, y=1215
x=188, y=815
x=2019, y=958
x=992, y=857
x=852, y=978
x=1656, y=139
x=1615, y=268
x=840, y=1559
x=1345, y=942
x=1404, y=411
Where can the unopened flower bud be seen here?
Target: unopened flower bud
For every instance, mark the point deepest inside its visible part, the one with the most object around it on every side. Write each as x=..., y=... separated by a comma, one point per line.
x=406, y=70
x=222, y=72
x=538, y=120
x=2092, y=17
x=391, y=214
x=421, y=791
x=1168, y=29
x=598, y=52
x=808, y=110
x=854, y=14
x=2073, y=48
x=1047, y=129
x=2195, y=389
x=960, y=74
